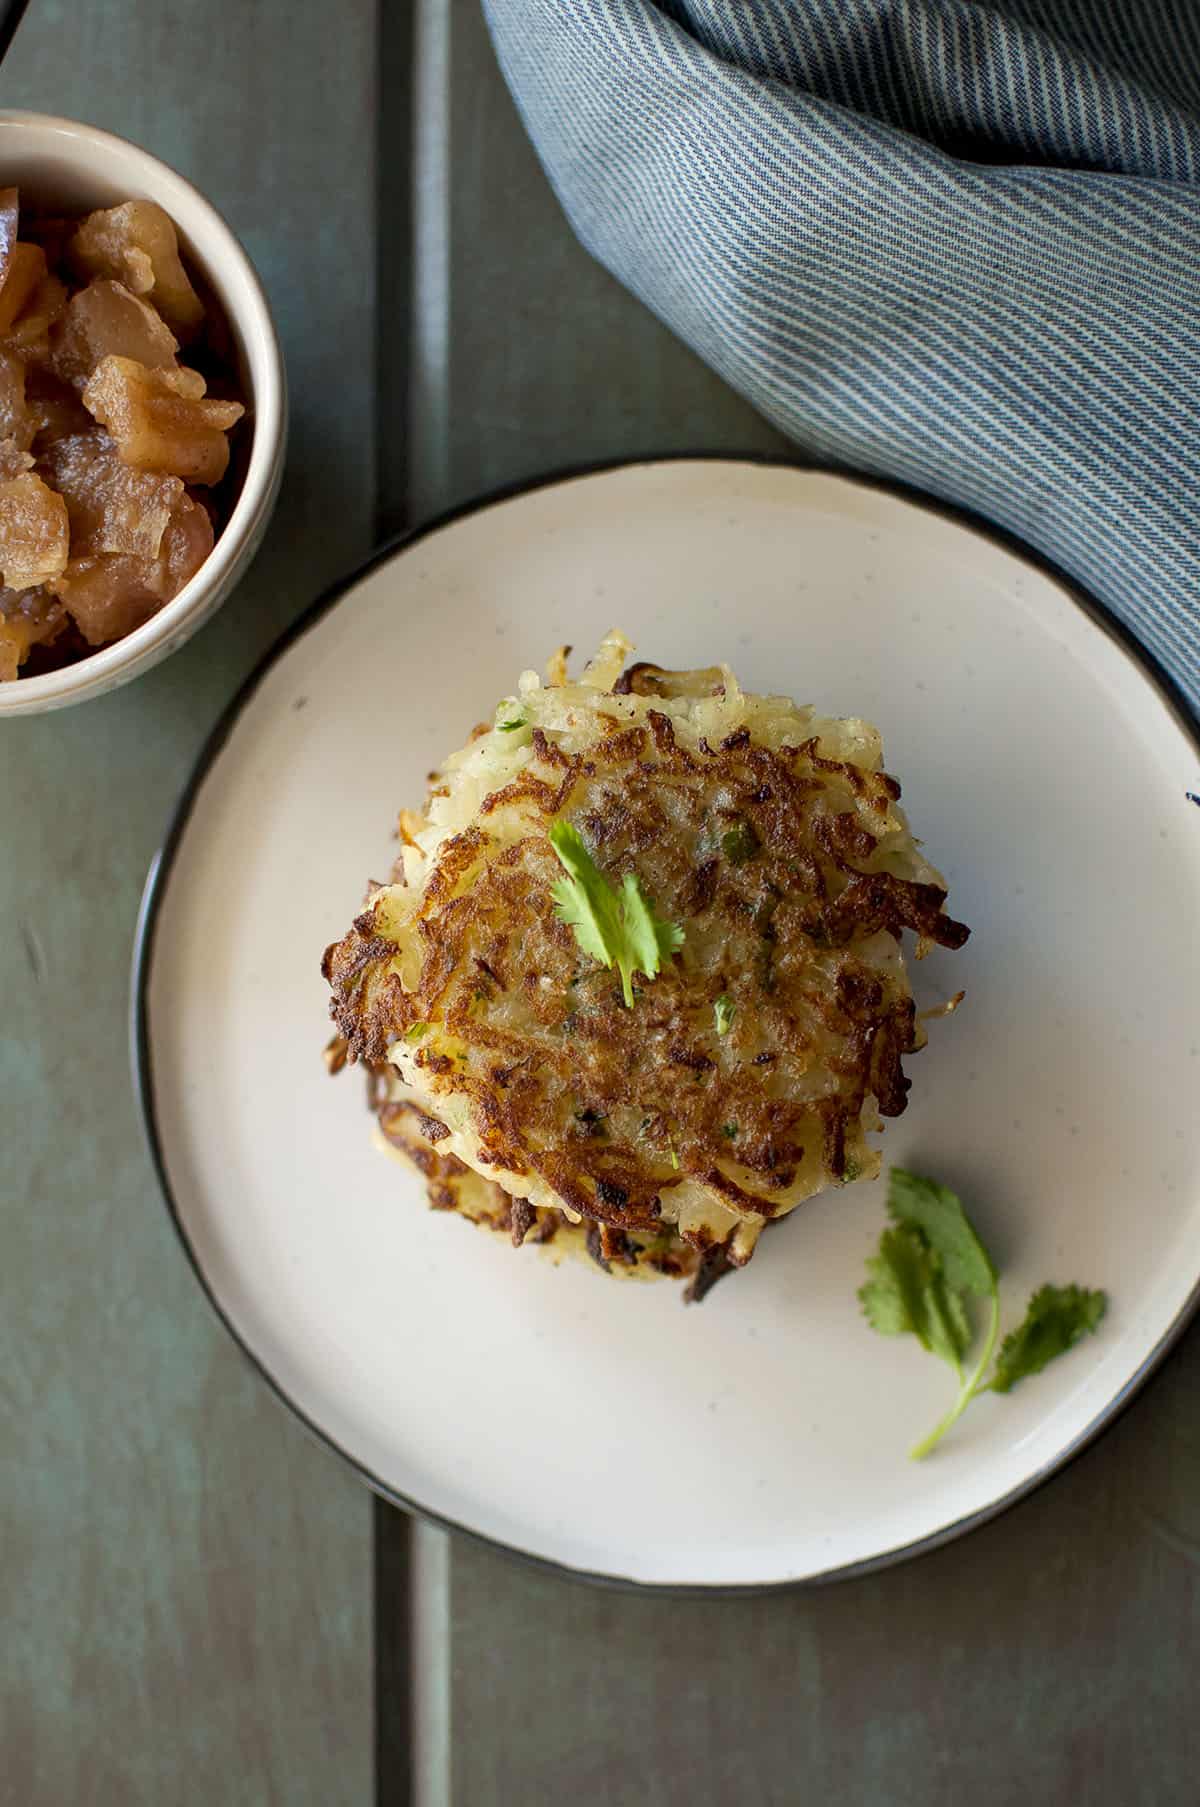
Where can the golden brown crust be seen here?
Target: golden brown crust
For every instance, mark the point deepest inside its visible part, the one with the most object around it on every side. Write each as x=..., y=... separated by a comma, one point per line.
x=770, y=858
x=452, y=1186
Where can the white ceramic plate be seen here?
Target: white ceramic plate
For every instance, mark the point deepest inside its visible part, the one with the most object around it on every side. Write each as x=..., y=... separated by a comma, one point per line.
x=759, y=1438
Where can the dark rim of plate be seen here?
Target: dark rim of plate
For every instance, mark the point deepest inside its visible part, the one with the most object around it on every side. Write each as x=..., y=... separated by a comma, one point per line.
x=159, y=874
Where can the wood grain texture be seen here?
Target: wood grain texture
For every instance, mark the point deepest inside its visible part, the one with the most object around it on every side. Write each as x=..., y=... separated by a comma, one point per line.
x=185, y=1577
x=549, y=362
x=1049, y=1657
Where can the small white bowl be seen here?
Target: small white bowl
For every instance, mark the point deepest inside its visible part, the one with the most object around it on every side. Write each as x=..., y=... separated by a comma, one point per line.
x=62, y=165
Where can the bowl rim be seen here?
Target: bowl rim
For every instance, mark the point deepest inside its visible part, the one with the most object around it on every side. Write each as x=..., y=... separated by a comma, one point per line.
x=227, y=266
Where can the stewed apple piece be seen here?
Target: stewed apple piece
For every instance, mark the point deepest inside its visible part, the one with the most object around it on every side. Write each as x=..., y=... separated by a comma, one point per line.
x=136, y=244
x=160, y=419
x=34, y=534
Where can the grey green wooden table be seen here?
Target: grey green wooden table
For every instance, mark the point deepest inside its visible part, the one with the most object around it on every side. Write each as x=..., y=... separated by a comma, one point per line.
x=199, y=1605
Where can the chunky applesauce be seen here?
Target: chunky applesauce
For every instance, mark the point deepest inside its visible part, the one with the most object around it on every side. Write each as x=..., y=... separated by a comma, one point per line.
x=118, y=394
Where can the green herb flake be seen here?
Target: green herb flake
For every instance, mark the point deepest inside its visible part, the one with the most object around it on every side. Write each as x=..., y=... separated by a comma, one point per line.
x=930, y=1265
x=518, y=721
x=617, y=927
x=740, y=843
x=417, y=1031
x=724, y=1011
x=730, y=1130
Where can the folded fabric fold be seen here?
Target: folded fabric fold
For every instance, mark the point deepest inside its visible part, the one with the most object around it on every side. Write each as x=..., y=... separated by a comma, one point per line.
x=952, y=243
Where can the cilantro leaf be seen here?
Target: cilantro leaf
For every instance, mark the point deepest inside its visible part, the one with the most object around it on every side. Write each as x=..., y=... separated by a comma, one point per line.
x=1057, y=1317
x=649, y=939
x=617, y=928
x=930, y=1264
x=580, y=912
x=724, y=1011
x=518, y=721
x=908, y=1291
x=585, y=900
x=938, y=1214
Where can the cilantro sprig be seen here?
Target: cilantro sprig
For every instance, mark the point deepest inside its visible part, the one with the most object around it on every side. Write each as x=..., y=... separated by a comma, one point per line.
x=617, y=927
x=931, y=1264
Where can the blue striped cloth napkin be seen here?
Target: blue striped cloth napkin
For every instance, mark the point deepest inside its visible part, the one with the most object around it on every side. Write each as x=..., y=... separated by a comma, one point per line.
x=953, y=242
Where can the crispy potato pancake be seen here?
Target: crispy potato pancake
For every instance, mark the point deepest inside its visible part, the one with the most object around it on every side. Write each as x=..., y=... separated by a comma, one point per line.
x=749, y=1070
x=452, y=1186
